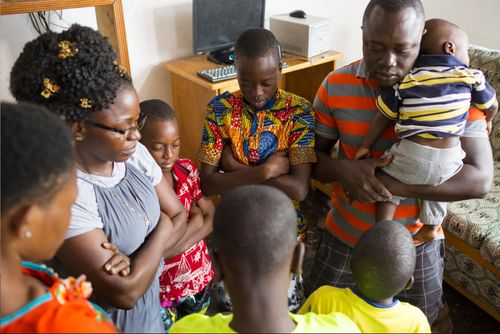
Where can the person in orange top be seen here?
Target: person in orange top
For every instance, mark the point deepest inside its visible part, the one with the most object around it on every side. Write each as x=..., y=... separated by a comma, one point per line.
x=38, y=189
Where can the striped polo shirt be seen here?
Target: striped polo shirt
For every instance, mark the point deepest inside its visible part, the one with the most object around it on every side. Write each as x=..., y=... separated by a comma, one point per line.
x=344, y=107
x=433, y=100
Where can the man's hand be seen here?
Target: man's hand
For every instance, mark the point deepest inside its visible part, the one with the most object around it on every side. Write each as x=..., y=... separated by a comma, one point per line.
x=359, y=182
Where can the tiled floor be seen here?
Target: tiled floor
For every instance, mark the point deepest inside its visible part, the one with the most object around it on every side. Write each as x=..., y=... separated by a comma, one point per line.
x=467, y=318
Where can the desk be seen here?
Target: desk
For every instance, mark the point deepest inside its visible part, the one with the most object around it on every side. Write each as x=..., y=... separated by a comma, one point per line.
x=192, y=93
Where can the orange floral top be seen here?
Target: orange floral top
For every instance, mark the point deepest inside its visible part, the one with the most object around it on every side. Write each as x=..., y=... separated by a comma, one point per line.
x=63, y=309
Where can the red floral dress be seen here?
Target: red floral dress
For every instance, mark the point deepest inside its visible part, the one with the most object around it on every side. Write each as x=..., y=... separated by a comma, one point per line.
x=190, y=272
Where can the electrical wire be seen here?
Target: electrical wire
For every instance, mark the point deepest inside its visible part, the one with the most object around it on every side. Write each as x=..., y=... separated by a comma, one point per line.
x=42, y=22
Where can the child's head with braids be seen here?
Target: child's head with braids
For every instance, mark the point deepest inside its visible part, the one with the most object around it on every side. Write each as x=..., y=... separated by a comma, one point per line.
x=75, y=74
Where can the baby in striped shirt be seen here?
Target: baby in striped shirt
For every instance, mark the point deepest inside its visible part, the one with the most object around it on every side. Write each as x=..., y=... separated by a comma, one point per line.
x=430, y=109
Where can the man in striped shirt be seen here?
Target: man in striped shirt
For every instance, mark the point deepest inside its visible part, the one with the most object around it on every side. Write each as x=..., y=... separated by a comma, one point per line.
x=345, y=105
x=430, y=107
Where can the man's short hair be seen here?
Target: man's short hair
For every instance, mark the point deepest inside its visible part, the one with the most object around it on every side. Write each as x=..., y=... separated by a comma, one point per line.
x=394, y=6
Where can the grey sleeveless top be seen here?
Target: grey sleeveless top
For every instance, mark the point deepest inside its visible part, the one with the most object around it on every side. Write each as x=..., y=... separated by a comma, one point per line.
x=122, y=209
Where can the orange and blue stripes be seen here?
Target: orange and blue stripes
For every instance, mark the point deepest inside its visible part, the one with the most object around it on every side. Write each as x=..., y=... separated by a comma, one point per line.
x=344, y=107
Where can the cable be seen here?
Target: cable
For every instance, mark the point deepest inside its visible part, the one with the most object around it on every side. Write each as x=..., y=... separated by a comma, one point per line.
x=41, y=21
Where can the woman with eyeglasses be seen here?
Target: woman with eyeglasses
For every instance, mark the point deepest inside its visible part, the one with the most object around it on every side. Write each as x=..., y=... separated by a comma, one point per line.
x=123, y=199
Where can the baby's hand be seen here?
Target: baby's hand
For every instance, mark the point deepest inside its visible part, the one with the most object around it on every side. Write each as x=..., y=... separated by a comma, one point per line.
x=489, y=126
x=362, y=153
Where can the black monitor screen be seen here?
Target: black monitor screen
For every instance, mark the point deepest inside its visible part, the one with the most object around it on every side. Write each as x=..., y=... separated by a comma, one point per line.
x=218, y=23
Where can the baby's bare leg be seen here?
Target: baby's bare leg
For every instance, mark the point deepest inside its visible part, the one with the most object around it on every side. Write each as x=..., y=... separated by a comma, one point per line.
x=385, y=211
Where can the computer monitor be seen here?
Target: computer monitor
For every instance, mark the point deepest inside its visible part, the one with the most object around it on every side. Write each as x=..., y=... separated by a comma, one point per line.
x=217, y=24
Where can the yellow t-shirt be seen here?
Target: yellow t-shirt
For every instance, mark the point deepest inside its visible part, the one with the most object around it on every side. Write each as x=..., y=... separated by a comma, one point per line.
x=307, y=323
x=400, y=317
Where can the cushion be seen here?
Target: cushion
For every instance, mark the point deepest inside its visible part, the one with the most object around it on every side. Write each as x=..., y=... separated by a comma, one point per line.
x=472, y=276
x=490, y=248
x=477, y=220
x=488, y=61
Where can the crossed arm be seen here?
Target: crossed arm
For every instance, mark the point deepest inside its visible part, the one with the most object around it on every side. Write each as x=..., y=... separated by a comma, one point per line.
x=276, y=172
x=83, y=254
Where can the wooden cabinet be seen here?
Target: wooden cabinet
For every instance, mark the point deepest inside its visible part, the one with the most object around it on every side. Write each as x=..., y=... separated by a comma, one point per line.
x=192, y=93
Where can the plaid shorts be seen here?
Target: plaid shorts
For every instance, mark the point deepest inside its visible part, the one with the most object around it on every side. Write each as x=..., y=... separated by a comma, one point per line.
x=331, y=267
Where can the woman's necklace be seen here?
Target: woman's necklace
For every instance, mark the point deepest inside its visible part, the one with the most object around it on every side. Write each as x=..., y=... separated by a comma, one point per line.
x=141, y=212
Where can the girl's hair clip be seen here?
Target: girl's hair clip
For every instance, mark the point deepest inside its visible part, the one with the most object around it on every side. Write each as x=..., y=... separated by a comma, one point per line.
x=67, y=49
x=85, y=103
x=120, y=69
x=49, y=88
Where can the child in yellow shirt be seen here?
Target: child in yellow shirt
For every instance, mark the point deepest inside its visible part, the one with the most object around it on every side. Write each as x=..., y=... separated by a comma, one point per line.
x=255, y=236
x=382, y=264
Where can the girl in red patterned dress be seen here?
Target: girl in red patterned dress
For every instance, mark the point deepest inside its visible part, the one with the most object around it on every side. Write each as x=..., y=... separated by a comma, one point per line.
x=185, y=278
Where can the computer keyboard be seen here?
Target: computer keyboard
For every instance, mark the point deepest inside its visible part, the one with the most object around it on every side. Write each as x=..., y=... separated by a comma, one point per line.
x=217, y=74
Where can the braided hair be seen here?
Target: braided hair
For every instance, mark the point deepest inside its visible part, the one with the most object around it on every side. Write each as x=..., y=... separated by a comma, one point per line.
x=72, y=73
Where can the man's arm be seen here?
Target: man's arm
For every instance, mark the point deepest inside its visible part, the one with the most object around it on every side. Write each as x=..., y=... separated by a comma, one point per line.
x=356, y=176
x=473, y=181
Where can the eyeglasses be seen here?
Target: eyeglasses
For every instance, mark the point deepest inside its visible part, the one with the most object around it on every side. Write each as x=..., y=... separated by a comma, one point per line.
x=125, y=133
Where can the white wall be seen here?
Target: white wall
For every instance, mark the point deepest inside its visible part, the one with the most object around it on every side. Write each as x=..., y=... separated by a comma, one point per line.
x=16, y=30
x=478, y=18
x=160, y=30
